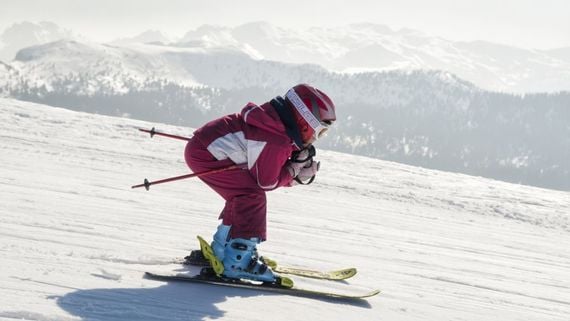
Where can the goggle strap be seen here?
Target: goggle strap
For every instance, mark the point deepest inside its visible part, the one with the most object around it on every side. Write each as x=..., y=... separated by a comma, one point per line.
x=304, y=110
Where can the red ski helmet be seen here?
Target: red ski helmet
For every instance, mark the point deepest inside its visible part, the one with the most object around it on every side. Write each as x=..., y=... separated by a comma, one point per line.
x=314, y=111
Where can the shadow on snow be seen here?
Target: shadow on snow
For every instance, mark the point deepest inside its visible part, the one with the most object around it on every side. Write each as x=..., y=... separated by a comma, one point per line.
x=172, y=301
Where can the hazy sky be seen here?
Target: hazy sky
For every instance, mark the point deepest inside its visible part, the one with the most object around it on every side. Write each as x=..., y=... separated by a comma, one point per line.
x=540, y=24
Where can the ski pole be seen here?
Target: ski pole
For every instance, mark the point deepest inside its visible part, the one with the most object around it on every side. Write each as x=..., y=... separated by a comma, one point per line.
x=147, y=183
x=153, y=132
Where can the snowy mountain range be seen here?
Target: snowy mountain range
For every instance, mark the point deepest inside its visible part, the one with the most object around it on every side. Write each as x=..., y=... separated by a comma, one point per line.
x=366, y=47
x=427, y=118
x=75, y=240
x=352, y=48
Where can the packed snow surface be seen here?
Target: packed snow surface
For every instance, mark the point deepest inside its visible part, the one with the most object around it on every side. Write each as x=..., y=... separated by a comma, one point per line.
x=75, y=239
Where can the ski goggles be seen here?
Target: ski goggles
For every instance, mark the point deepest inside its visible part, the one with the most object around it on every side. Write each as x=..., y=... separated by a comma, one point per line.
x=323, y=129
x=319, y=127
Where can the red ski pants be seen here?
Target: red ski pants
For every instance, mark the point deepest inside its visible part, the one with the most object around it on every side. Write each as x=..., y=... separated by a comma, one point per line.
x=246, y=203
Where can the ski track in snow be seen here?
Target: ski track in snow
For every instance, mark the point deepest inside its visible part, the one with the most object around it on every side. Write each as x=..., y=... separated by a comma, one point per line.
x=75, y=239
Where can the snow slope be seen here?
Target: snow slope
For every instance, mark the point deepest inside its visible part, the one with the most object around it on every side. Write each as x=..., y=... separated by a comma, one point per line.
x=75, y=239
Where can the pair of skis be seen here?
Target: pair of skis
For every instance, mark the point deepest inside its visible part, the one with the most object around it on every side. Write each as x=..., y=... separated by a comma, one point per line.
x=196, y=258
x=283, y=285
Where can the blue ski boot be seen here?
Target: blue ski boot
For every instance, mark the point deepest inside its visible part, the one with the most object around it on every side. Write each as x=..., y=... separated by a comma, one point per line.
x=239, y=257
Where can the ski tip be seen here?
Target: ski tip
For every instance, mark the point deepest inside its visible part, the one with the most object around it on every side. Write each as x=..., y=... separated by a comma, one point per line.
x=341, y=296
x=360, y=296
x=372, y=293
x=344, y=274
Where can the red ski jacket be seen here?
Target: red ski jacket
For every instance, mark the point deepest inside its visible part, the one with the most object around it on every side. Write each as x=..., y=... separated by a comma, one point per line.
x=255, y=137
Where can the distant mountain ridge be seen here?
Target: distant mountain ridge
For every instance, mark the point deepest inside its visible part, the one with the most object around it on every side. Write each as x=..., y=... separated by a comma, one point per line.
x=352, y=48
x=149, y=36
x=369, y=47
x=25, y=34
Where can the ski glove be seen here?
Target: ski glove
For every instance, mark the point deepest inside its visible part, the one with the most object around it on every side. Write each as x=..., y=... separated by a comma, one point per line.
x=303, y=160
x=306, y=173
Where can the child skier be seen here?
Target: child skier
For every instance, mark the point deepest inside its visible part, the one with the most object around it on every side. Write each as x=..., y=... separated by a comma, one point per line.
x=273, y=143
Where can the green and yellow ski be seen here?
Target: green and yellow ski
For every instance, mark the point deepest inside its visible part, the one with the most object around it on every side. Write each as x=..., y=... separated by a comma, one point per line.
x=208, y=276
